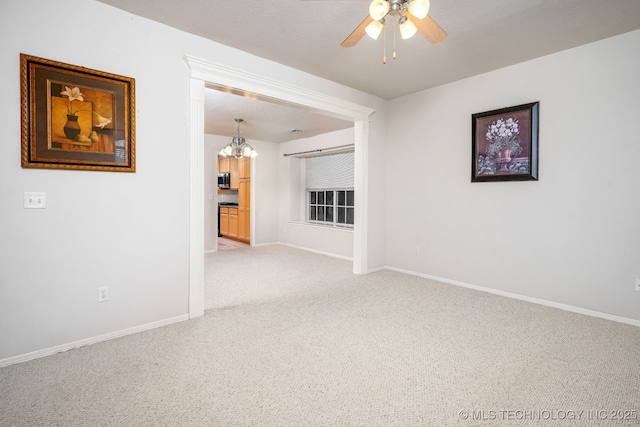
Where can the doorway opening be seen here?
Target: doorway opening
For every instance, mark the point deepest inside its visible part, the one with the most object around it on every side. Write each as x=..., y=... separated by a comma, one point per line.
x=226, y=78
x=272, y=127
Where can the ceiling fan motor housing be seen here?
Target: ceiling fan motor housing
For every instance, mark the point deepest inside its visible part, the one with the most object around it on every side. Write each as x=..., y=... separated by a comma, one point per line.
x=397, y=6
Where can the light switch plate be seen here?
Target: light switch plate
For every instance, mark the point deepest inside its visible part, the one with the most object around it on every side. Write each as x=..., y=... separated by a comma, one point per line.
x=35, y=200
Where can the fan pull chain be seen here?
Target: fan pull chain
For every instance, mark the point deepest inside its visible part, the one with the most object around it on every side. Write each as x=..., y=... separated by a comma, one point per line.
x=384, y=45
x=395, y=30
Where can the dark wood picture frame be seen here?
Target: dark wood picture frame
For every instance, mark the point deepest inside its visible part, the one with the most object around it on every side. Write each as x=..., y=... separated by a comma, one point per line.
x=76, y=118
x=505, y=144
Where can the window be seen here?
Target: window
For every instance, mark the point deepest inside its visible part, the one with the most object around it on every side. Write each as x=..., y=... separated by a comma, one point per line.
x=334, y=207
x=330, y=194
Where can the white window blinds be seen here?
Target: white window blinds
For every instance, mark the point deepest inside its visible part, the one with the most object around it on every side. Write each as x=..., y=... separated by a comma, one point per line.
x=334, y=171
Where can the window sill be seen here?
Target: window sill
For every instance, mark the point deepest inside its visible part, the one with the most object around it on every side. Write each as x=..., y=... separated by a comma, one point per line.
x=322, y=226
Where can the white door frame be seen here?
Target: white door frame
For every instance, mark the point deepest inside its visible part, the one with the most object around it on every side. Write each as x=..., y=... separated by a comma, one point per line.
x=203, y=71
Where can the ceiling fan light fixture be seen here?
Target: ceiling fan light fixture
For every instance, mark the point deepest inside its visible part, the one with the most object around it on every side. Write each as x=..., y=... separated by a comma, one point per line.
x=419, y=8
x=416, y=11
x=374, y=29
x=407, y=29
x=378, y=9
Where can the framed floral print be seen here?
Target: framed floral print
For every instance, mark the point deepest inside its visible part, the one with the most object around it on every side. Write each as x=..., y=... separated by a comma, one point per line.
x=505, y=144
x=76, y=118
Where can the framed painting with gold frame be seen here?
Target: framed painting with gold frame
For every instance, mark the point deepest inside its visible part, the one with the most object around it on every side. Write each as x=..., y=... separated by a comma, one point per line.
x=76, y=118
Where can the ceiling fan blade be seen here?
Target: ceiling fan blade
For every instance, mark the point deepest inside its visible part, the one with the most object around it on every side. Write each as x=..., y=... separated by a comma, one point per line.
x=357, y=34
x=429, y=29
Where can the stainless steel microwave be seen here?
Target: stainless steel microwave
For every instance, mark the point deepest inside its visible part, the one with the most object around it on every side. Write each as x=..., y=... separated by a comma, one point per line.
x=224, y=180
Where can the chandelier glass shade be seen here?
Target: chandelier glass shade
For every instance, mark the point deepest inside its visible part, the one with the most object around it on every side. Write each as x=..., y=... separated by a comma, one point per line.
x=238, y=147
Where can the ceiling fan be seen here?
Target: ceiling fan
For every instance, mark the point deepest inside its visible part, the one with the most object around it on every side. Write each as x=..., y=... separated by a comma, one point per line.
x=412, y=16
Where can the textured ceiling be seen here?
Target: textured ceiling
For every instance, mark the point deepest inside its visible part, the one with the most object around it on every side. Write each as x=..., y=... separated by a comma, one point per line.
x=306, y=35
x=263, y=120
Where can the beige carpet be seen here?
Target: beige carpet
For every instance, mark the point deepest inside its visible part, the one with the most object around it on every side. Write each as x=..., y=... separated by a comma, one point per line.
x=294, y=339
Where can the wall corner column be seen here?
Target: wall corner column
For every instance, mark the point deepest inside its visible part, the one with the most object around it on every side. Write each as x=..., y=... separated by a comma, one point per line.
x=196, y=198
x=361, y=223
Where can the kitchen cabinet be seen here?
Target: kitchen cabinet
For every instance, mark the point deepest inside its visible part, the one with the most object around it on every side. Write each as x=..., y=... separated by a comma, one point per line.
x=229, y=222
x=244, y=167
x=237, y=168
x=224, y=221
x=233, y=223
x=233, y=170
x=244, y=210
x=223, y=165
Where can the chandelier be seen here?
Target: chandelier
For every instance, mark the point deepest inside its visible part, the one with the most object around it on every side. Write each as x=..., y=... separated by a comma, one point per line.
x=238, y=147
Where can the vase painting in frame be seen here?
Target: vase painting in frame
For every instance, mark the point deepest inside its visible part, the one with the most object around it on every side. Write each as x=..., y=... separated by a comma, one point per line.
x=76, y=118
x=505, y=144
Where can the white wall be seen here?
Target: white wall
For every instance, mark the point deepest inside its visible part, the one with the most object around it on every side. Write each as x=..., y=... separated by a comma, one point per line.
x=377, y=196
x=573, y=237
x=126, y=231
x=292, y=229
x=212, y=144
x=265, y=192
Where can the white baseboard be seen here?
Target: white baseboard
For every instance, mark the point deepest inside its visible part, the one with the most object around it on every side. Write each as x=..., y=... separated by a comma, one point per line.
x=87, y=341
x=316, y=251
x=384, y=267
x=265, y=244
x=547, y=303
x=306, y=249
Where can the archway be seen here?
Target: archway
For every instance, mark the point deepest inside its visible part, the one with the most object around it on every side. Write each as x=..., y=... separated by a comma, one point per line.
x=219, y=75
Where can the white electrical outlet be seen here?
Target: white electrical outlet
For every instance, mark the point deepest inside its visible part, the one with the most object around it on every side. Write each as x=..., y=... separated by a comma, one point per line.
x=416, y=250
x=35, y=200
x=637, y=284
x=103, y=294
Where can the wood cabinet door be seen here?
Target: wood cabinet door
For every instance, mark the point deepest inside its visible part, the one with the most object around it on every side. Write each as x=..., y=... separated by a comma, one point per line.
x=224, y=221
x=244, y=210
x=244, y=167
x=243, y=225
x=223, y=165
x=233, y=223
x=244, y=193
x=233, y=170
